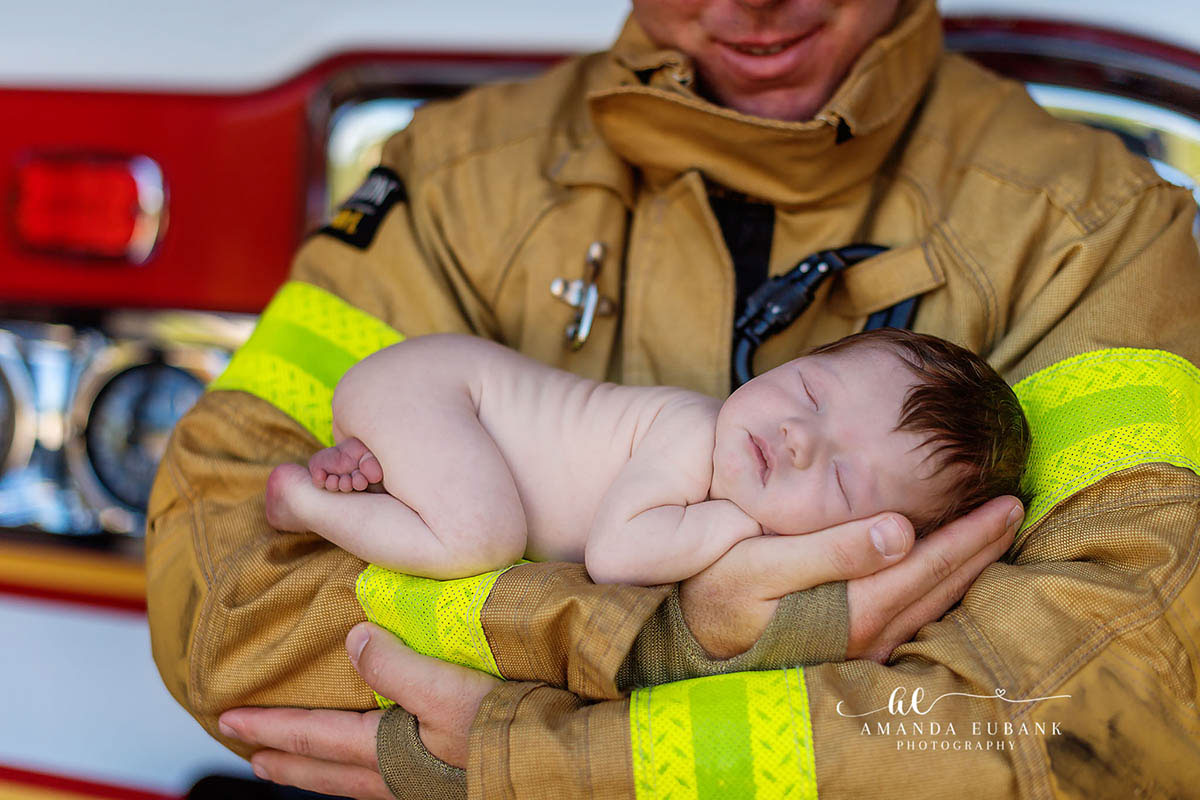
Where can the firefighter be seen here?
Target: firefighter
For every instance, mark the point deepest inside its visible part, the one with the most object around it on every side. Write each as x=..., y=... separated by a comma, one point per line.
x=718, y=143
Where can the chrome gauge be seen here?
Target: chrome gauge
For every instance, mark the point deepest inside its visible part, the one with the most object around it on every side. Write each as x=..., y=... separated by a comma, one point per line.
x=127, y=399
x=8, y=419
x=16, y=412
x=87, y=403
x=127, y=430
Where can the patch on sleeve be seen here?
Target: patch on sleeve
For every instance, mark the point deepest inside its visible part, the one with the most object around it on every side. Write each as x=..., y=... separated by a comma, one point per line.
x=358, y=218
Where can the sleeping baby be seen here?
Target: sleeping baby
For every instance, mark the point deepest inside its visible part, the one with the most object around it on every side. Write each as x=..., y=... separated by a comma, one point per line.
x=486, y=456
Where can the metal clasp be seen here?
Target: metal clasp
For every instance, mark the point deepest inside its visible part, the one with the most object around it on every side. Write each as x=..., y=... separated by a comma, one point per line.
x=584, y=295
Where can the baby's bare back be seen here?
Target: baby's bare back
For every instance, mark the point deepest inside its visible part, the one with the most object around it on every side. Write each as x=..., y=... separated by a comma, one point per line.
x=566, y=438
x=488, y=447
x=488, y=456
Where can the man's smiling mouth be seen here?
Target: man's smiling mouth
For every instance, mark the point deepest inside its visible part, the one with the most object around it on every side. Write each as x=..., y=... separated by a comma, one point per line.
x=763, y=50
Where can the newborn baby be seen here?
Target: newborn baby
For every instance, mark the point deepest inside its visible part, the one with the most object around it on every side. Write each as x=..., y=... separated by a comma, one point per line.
x=487, y=456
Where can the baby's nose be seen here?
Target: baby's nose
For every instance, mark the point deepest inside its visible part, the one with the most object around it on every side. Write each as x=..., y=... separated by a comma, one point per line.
x=798, y=442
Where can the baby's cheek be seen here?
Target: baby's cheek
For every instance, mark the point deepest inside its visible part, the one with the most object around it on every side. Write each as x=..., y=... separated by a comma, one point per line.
x=797, y=518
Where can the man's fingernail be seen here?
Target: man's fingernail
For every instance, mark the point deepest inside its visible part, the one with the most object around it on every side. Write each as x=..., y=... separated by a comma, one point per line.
x=356, y=640
x=226, y=729
x=887, y=537
x=1014, y=519
x=260, y=772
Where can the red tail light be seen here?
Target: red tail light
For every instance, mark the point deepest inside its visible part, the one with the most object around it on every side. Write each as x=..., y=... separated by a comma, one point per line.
x=89, y=206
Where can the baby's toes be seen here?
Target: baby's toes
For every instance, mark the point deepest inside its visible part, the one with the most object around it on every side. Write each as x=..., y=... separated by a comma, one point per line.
x=325, y=462
x=359, y=481
x=350, y=451
x=331, y=482
x=318, y=476
x=345, y=483
x=371, y=469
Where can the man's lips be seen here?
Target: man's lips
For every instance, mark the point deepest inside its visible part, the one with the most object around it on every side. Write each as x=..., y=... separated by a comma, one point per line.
x=762, y=47
x=763, y=59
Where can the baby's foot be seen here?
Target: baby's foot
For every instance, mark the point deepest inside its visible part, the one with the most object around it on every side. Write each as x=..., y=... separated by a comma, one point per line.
x=284, y=484
x=348, y=466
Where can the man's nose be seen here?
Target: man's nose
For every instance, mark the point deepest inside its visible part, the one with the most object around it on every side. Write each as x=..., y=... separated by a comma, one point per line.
x=799, y=442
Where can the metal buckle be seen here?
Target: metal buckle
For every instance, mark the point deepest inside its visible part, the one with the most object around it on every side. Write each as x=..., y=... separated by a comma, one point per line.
x=583, y=294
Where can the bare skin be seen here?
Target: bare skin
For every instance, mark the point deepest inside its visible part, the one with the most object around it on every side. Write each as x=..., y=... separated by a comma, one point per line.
x=348, y=466
x=648, y=485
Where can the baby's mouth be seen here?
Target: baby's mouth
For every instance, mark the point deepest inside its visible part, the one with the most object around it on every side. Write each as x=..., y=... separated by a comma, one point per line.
x=761, y=454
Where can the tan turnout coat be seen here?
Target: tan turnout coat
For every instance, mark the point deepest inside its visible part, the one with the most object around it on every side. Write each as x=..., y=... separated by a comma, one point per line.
x=1028, y=239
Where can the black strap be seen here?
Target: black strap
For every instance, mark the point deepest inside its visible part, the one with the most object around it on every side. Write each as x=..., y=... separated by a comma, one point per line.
x=777, y=303
x=765, y=307
x=748, y=229
x=898, y=316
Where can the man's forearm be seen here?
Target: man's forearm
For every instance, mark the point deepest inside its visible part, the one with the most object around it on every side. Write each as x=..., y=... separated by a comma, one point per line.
x=239, y=614
x=549, y=622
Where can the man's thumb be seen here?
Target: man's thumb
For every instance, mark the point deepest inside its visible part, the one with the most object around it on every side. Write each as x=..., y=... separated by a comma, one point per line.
x=890, y=535
x=420, y=683
x=388, y=667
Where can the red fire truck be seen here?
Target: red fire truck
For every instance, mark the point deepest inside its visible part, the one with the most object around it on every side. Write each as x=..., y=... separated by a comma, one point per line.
x=159, y=163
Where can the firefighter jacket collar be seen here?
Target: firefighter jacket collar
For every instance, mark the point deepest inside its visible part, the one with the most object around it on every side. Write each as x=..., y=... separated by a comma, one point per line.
x=651, y=117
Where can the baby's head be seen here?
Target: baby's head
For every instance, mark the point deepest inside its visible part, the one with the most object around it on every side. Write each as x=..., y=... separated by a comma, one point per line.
x=886, y=420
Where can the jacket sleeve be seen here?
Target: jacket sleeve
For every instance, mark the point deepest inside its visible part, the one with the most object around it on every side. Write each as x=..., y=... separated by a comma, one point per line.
x=1068, y=670
x=239, y=614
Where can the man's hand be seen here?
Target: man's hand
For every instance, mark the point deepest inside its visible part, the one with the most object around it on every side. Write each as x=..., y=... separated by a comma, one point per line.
x=333, y=752
x=890, y=592
x=889, y=607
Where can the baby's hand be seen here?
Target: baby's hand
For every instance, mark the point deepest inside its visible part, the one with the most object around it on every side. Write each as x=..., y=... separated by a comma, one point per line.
x=345, y=467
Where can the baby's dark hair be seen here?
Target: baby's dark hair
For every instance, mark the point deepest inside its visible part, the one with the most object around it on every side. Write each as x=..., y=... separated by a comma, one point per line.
x=970, y=415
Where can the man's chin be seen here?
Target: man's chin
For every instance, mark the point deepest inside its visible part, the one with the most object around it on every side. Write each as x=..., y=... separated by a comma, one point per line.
x=786, y=104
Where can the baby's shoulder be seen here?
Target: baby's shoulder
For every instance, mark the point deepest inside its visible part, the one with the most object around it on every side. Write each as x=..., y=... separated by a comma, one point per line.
x=683, y=429
x=686, y=408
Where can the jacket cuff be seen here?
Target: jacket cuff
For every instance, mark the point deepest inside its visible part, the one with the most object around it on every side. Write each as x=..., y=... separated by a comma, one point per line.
x=809, y=627
x=533, y=740
x=408, y=769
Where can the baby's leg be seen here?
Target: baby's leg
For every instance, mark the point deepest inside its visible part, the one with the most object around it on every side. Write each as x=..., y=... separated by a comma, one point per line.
x=347, y=466
x=412, y=406
x=377, y=528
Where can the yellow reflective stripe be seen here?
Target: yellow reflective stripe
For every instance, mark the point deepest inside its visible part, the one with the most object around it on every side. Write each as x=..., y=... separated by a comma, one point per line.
x=436, y=618
x=746, y=735
x=781, y=736
x=1100, y=412
x=305, y=341
x=660, y=737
